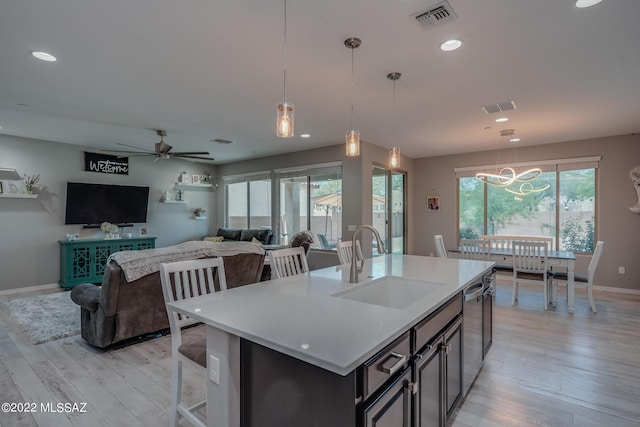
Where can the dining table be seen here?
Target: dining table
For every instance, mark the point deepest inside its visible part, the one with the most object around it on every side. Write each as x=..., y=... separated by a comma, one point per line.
x=561, y=259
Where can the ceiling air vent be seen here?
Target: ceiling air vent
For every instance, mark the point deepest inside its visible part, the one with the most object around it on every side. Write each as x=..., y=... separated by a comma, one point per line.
x=222, y=141
x=438, y=14
x=499, y=106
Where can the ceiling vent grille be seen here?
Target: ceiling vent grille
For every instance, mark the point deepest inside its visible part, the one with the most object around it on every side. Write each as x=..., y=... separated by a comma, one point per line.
x=499, y=106
x=222, y=141
x=438, y=14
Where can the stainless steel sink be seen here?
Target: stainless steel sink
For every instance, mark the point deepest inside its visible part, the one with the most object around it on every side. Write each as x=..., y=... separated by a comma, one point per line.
x=390, y=291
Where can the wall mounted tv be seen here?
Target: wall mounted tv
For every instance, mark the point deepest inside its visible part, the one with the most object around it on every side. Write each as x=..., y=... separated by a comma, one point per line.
x=91, y=204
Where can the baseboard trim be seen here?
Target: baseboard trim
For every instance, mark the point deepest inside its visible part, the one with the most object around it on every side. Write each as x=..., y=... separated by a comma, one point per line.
x=506, y=281
x=29, y=289
x=616, y=290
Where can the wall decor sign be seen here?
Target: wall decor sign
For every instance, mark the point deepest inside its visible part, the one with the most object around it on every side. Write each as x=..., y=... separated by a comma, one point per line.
x=104, y=163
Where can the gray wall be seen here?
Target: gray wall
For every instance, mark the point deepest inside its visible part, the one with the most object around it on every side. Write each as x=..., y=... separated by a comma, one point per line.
x=356, y=180
x=616, y=225
x=30, y=228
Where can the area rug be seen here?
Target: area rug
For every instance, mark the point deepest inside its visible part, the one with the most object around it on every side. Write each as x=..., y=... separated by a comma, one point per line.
x=46, y=317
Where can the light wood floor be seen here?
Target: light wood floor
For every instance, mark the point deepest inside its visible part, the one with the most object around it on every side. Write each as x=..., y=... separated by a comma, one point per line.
x=544, y=369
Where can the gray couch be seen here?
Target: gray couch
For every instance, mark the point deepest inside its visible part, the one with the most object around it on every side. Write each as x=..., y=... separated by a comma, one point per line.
x=119, y=310
x=264, y=235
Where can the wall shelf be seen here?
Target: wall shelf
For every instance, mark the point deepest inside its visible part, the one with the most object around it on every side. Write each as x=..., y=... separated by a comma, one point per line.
x=191, y=187
x=18, y=196
x=181, y=202
x=199, y=217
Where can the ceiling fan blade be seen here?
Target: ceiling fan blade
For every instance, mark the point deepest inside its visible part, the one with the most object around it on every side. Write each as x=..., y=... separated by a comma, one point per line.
x=137, y=148
x=127, y=152
x=190, y=153
x=195, y=157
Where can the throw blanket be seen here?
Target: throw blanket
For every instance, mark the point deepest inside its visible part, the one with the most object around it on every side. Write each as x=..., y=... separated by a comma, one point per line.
x=136, y=264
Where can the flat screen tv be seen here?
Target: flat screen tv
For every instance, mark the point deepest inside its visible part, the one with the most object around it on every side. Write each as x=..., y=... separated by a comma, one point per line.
x=97, y=203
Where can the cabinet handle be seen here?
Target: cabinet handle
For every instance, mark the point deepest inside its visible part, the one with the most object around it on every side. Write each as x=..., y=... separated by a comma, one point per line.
x=411, y=387
x=396, y=366
x=445, y=348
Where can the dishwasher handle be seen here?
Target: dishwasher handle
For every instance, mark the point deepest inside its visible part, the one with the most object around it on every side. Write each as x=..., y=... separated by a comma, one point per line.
x=473, y=292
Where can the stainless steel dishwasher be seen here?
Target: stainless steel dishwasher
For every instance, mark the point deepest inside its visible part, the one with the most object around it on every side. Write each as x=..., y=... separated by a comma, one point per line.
x=472, y=333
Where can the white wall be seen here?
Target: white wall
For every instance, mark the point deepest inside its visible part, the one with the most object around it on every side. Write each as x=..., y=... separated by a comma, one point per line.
x=30, y=228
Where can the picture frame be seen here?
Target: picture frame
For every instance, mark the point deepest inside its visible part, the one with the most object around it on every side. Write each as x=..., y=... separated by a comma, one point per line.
x=184, y=177
x=195, y=179
x=143, y=231
x=433, y=203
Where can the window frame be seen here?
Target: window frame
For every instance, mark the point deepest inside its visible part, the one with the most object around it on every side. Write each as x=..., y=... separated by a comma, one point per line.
x=556, y=166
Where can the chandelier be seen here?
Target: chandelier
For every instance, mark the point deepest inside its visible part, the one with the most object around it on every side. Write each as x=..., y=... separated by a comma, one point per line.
x=508, y=179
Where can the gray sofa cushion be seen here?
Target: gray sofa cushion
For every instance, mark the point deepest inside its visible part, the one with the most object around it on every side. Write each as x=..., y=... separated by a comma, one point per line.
x=230, y=233
x=263, y=235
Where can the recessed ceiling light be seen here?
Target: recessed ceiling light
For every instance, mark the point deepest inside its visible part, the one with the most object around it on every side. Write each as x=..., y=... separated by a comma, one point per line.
x=502, y=119
x=586, y=3
x=450, y=45
x=514, y=140
x=44, y=56
x=305, y=135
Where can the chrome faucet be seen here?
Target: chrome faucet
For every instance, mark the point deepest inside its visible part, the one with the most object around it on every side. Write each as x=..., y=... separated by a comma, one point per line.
x=353, y=277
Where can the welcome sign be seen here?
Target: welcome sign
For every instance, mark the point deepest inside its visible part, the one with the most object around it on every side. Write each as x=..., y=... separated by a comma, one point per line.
x=104, y=163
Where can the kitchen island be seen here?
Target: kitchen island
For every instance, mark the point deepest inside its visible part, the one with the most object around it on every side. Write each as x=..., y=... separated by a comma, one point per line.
x=321, y=321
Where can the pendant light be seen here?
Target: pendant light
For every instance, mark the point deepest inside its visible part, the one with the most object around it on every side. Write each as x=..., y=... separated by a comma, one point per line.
x=284, y=117
x=394, y=153
x=353, y=136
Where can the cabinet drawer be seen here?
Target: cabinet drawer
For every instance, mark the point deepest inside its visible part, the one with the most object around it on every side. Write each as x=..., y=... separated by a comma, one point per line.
x=430, y=327
x=384, y=365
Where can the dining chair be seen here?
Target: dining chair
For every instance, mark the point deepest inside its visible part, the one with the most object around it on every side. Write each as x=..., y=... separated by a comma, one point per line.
x=562, y=277
x=530, y=266
x=477, y=249
x=344, y=250
x=180, y=281
x=441, y=250
x=288, y=262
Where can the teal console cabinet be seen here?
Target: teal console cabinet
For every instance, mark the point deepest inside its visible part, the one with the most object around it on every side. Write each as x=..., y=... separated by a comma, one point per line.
x=83, y=261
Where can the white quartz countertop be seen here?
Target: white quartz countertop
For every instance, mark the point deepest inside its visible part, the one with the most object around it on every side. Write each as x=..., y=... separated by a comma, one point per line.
x=300, y=316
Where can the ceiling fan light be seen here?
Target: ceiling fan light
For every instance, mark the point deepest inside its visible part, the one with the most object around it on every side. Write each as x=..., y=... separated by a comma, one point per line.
x=284, y=120
x=353, y=143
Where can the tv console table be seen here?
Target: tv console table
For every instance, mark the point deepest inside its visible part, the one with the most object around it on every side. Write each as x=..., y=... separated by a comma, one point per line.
x=84, y=260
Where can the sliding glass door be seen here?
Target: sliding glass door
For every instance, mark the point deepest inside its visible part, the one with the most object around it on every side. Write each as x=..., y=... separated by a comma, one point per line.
x=388, y=201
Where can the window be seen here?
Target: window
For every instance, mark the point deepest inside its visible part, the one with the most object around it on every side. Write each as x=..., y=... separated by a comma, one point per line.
x=565, y=210
x=311, y=199
x=248, y=201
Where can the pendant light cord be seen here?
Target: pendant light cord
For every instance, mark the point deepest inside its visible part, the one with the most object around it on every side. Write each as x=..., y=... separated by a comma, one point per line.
x=352, y=88
x=394, y=113
x=285, y=51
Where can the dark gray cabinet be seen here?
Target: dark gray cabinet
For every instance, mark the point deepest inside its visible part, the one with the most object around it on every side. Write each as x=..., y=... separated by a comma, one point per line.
x=438, y=377
x=416, y=381
x=393, y=406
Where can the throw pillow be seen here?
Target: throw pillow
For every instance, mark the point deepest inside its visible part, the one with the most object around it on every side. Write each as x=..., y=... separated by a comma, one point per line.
x=214, y=239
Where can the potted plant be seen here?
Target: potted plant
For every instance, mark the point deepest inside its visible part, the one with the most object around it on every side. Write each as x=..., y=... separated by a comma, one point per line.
x=30, y=182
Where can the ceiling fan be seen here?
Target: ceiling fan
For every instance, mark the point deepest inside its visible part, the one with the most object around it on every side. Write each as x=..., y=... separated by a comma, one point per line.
x=162, y=151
